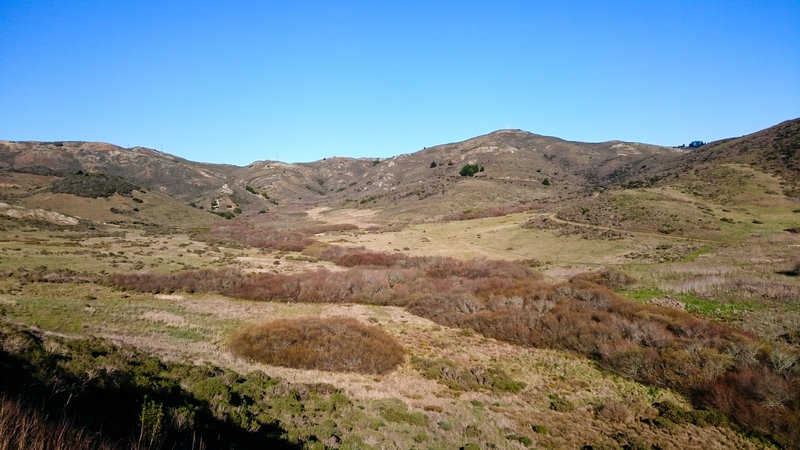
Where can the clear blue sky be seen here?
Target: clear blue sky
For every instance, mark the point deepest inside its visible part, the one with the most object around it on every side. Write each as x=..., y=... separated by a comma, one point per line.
x=234, y=82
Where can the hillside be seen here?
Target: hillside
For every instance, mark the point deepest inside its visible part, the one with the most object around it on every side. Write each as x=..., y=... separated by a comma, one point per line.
x=158, y=171
x=603, y=184
x=426, y=184
x=515, y=164
x=508, y=291
x=705, y=192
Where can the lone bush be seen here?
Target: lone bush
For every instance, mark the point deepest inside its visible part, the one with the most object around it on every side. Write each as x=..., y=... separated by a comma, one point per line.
x=330, y=344
x=469, y=170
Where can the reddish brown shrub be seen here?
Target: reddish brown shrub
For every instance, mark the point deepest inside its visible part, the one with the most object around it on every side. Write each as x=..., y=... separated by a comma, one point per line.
x=368, y=259
x=204, y=280
x=475, y=268
x=332, y=344
x=758, y=399
x=610, y=278
x=660, y=346
x=246, y=233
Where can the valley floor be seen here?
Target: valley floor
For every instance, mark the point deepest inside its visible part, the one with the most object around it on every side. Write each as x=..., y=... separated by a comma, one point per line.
x=55, y=288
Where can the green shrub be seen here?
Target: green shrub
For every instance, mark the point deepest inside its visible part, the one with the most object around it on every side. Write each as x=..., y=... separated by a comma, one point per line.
x=446, y=372
x=469, y=170
x=540, y=429
x=132, y=400
x=560, y=404
x=394, y=410
x=151, y=424
x=93, y=185
x=226, y=214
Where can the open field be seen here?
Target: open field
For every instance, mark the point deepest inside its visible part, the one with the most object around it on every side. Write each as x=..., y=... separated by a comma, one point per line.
x=55, y=283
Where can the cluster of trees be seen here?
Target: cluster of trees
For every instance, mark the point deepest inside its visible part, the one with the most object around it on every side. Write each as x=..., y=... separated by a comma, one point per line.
x=717, y=366
x=693, y=144
x=469, y=170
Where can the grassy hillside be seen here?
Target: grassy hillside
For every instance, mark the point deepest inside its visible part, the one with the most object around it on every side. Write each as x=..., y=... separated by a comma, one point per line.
x=642, y=297
x=97, y=198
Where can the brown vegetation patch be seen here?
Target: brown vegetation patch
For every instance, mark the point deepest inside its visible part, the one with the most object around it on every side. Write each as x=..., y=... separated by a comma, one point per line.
x=610, y=278
x=246, y=233
x=716, y=365
x=330, y=344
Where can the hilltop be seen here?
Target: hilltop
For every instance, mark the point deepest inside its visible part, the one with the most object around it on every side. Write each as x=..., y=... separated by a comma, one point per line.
x=515, y=168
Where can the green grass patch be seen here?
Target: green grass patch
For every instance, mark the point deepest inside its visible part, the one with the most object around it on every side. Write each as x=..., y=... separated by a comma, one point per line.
x=714, y=308
x=691, y=257
x=394, y=410
x=187, y=334
x=448, y=373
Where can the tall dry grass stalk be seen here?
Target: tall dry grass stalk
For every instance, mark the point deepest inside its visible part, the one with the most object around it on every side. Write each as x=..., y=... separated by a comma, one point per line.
x=25, y=428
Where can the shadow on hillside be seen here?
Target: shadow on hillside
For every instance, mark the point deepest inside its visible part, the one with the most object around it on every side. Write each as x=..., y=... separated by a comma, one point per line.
x=112, y=402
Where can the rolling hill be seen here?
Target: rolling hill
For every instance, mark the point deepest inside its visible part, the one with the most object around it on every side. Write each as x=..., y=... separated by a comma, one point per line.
x=427, y=184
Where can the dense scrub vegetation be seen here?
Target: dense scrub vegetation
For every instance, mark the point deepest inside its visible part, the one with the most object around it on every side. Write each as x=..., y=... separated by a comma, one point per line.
x=477, y=378
x=331, y=344
x=717, y=366
x=87, y=393
x=610, y=278
x=246, y=233
x=93, y=185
